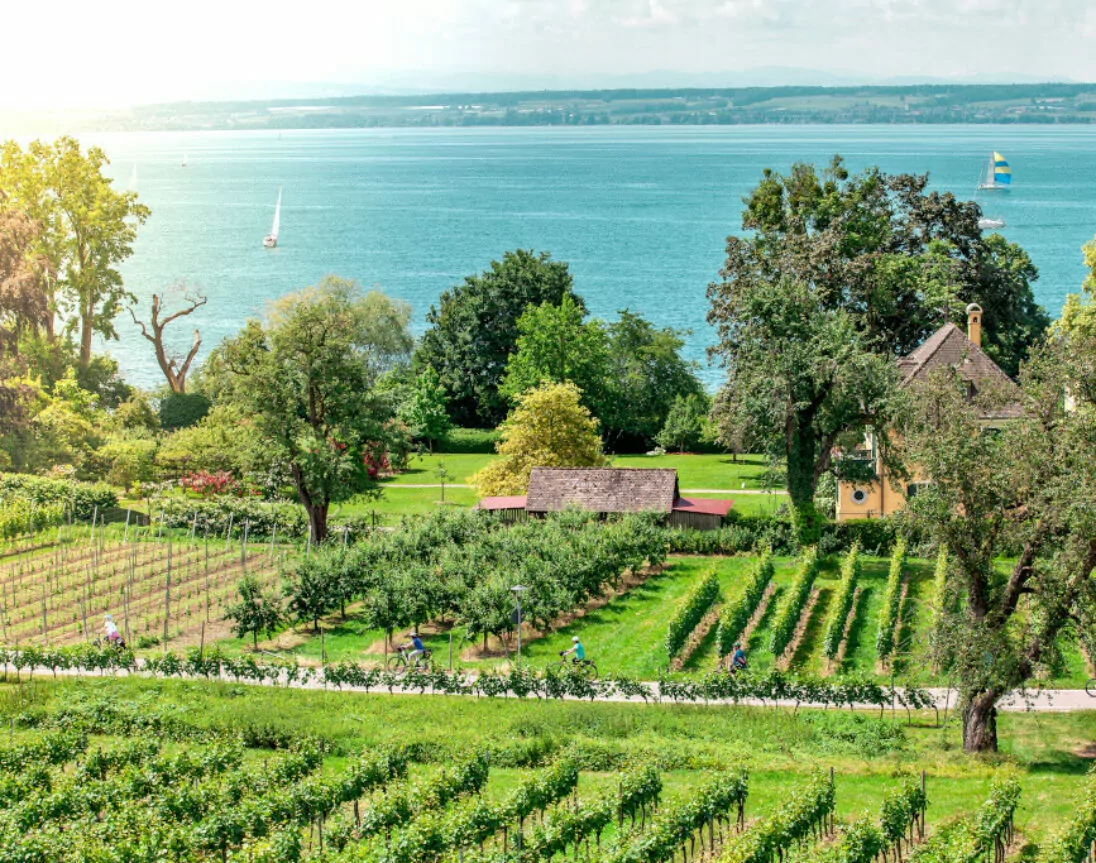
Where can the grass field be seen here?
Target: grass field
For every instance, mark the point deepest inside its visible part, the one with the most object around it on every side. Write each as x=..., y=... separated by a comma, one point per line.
x=780, y=749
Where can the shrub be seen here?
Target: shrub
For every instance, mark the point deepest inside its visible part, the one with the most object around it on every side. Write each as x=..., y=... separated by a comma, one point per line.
x=842, y=603
x=81, y=498
x=689, y=614
x=461, y=440
x=892, y=598
x=182, y=410
x=216, y=515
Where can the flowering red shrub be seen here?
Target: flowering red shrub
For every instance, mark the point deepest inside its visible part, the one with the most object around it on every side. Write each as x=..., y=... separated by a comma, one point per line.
x=207, y=484
x=375, y=458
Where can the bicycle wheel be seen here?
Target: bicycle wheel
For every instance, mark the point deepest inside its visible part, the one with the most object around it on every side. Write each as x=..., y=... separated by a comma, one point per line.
x=590, y=669
x=396, y=663
x=1090, y=687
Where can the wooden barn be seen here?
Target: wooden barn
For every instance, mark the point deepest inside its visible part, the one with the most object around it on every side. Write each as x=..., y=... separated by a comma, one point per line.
x=607, y=490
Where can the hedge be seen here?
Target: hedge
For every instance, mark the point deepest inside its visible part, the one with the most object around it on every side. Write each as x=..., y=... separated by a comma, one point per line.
x=460, y=440
x=736, y=615
x=182, y=410
x=787, y=617
x=80, y=498
x=689, y=614
x=755, y=534
x=842, y=603
x=892, y=598
x=216, y=516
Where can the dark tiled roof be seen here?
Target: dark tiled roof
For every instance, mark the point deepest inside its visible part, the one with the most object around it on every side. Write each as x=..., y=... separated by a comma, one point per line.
x=949, y=347
x=703, y=506
x=494, y=504
x=602, y=489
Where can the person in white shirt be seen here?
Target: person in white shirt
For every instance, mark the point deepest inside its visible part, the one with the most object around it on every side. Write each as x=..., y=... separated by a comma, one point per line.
x=111, y=630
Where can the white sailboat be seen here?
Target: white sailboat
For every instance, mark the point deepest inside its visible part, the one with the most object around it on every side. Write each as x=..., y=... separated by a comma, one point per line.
x=271, y=239
x=133, y=179
x=186, y=158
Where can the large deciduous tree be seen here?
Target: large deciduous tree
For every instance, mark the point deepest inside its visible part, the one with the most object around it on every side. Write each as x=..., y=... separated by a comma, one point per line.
x=874, y=259
x=1016, y=509
x=307, y=376
x=87, y=230
x=474, y=329
x=549, y=427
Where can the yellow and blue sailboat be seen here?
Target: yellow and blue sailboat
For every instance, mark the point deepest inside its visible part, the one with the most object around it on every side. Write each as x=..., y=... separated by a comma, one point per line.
x=998, y=174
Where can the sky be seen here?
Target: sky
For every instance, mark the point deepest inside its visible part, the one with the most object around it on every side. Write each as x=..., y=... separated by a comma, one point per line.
x=112, y=53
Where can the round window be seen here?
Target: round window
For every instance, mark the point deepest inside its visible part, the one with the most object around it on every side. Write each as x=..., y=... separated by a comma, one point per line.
x=859, y=495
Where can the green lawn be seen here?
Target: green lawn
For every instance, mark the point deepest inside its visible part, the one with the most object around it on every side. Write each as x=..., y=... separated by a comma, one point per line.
x=684, y=742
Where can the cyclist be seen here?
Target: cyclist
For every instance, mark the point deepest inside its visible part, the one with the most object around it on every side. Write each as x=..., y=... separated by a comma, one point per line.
x=110, y=630
x=416, y=647
x=738, y=660
x=577, y=649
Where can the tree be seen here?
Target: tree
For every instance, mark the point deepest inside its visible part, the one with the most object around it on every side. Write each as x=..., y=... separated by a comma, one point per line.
x=684, y=427
x=256, y=612
x=874, y=259
x=1024, y=492
x=23, y=306
x=645, y=373
x=557, y=345
x=473, y=330
x=88, y=229
x=174, y=367
x=306, y=378
x=548, y=427
x=425, y=411
x=312, y=589
x=800, y=378
x=1079, y=314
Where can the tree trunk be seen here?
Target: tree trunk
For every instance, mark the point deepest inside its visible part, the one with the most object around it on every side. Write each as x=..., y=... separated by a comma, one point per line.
x=317, y=518
x=85, y=337
x=980, y=723
x=801, y=487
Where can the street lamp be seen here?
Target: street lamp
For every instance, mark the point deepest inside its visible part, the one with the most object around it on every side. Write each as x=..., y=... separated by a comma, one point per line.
x=518, y=590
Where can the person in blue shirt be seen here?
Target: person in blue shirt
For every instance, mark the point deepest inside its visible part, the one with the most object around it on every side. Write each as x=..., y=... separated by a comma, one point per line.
x=418, y=649
x=738, y=660
x=577, y=649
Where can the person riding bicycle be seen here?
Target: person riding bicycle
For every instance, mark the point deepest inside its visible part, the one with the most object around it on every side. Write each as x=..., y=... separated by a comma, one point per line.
x=738, y=659
x=415, y=647
x=110, y=630
x=577, y=649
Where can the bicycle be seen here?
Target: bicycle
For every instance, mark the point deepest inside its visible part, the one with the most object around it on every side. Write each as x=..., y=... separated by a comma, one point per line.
x=402, y=660
x=102, y=643
x=1090, y=687
x=586, y=667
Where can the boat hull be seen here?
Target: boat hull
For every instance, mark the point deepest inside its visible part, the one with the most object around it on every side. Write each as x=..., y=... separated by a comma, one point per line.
x=270, y=242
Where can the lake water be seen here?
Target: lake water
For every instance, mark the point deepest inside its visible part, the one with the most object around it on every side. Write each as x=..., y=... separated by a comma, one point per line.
x=639, y=213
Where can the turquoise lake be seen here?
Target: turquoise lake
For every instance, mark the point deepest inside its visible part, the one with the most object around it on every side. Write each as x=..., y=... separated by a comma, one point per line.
x=640, y=213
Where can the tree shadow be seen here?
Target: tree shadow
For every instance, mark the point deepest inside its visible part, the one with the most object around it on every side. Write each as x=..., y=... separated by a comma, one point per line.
x=856, y=628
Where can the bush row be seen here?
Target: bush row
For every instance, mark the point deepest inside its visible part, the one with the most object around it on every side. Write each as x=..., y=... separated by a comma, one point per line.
x=220, y=515
x=787, y=616
x=79, y=499
x=736, y=614
x=754, y=534
x=689, y=614
x=842, y=603
x=892, y=599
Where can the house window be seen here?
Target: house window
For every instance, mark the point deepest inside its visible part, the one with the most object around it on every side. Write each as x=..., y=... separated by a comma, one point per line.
x=914, y=488
x=859, y=495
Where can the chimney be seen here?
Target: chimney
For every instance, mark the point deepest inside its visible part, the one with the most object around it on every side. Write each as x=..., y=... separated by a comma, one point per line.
x=974, y=323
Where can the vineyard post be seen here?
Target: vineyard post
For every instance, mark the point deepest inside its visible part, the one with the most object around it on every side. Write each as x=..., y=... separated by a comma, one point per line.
x=201, y=643
x=4, y=620
x=207, y=599
x=450, y=649
x=346, y=533
x=167, y=596
x=273, y=533
x=228, y=533
x=924, y=798
x=84, y=612
x=243, y=545
x=94, y=515
x=193, y=527
x=160, y=529
x=45, y=632
x=125, y=535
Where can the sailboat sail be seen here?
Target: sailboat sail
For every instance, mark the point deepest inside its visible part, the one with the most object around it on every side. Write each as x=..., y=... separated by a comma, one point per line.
x=133, y=179
x=1002, y=173
x=277, y=216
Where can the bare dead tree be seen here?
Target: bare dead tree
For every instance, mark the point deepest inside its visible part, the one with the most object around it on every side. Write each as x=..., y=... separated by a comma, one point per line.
x=174, y=366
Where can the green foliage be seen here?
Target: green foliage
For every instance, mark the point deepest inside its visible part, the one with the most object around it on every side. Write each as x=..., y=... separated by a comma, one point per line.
x=128, y=458
x=307, y=380
x=426, y=410
x=1075, y=843
x=183, y=410
x=985, y=833
x=80, y=499
x=255, y=612
x=685, y=423
x=215, y=516
x=691, y=611
x=463, y=440
x=841, y=604
x=793, y=603
x=474, y=329
x=892, y=599
x=736, y=614
x=549, y=427
x=804, y=813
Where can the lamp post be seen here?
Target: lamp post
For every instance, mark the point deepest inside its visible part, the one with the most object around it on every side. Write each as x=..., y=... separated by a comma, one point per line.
x=518, y=590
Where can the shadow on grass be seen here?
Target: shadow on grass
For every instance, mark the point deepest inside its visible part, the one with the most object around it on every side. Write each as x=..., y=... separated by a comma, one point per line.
x=856, y=629
x=812, y=635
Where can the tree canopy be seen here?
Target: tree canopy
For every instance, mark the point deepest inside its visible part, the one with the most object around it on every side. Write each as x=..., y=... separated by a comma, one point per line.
x=549, y=427
x=474, y=329
x=307, y=376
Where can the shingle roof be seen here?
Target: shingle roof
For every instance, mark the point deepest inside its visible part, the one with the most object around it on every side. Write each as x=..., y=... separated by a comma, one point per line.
x=949, y=347
x=602, y=489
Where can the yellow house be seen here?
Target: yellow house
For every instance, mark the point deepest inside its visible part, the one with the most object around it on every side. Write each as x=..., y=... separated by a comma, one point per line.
x=947, y=347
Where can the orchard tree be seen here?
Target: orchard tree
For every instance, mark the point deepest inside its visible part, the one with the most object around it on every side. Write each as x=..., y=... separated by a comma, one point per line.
x=684, y=425
x=1024, y=494
x=425, y=410
x=1079, y=314
x=87, y=231
x=875, y=260
x=255, y=612
x=549, y=427
x=474, y=329
x=306, y=377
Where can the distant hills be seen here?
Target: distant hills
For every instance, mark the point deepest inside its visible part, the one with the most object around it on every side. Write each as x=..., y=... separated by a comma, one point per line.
x=1050, y=102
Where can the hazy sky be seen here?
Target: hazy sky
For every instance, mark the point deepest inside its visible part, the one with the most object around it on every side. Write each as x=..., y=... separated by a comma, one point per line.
x=113, y=52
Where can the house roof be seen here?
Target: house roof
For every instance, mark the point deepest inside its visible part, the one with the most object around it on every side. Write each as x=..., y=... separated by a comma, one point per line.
x=496, y=504
x=602, y=489
x=949, y=347
x=703, y=506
